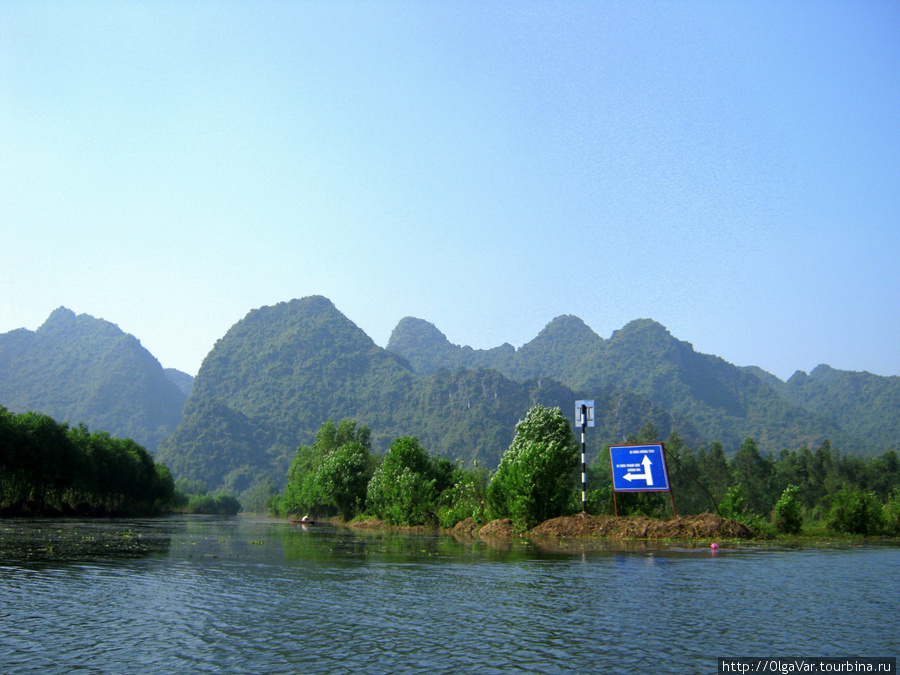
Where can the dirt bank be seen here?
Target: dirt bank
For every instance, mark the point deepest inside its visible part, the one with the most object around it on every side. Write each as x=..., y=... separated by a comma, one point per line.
x=582, y=525
x=705, y=526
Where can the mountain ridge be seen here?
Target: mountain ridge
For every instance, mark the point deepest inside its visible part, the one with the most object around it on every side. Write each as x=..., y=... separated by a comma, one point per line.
x=88, y=371
x=252, y=406
x=267, y=385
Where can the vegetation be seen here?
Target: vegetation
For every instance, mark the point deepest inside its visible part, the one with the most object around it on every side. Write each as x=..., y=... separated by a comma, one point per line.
x=536, y=481
x=406, y=487
x=845, y=493
x=535, y=478
x=82, y=369
x=47, y=468
x=332, y=474
x=747, y=444
x=191, y=497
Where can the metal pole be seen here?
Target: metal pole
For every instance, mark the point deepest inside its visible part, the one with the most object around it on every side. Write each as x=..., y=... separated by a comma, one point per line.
x=583, y=466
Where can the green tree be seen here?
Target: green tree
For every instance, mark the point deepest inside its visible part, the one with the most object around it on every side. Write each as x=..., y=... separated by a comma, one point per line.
x=464, y=498
x=788, y=516
x=856, y=512
x=405, y=489
x=892, y=514
x=343, y=478
x=534, y=481
x=754, y=471
x=331, y=473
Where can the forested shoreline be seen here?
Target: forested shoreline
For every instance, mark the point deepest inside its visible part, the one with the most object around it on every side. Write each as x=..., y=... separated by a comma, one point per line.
x=50, y=468
x=800, y=490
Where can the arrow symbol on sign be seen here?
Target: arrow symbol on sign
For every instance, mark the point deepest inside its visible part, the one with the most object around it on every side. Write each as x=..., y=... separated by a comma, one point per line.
x=646, y=475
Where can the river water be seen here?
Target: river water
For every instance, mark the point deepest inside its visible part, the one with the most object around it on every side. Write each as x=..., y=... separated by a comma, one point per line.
x=253, y=595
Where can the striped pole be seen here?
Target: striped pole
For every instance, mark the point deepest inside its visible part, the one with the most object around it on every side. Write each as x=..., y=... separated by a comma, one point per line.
x=583, y=466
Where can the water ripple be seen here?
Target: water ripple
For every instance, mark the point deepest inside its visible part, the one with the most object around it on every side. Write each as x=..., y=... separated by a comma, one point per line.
x=216, y=604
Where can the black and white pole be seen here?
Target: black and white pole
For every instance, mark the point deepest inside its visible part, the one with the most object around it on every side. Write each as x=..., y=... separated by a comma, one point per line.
x=584, y=418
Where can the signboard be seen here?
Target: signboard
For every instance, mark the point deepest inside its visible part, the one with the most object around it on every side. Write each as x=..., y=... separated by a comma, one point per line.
x=579, y=420
x=639, y=468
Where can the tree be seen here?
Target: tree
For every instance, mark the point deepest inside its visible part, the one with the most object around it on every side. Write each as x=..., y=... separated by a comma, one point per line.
x=406, y=488
x=856, y=512
x=788, y=517
x=344, y=476
x=754, y=472
x=534, y=481
x=331, y=473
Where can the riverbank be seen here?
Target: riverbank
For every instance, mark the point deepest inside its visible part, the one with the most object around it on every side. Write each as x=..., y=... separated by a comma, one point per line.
x=585, y=526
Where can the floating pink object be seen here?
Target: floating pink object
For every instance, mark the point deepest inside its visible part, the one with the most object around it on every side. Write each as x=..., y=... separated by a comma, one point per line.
x=714, y=545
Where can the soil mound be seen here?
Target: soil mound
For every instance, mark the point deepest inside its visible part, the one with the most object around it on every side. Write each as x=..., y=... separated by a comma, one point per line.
x=704, y=526
x=497, y=528
x=467, y=526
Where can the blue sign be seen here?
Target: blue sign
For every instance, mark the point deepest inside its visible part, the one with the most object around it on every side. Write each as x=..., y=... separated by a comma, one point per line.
x=639, y=468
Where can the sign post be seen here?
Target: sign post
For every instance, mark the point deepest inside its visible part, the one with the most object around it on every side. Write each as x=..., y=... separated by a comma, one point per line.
x=639, y=468
x=584, y=417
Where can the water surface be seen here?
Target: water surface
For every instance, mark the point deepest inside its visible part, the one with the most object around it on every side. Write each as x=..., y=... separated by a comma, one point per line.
x=251, y=595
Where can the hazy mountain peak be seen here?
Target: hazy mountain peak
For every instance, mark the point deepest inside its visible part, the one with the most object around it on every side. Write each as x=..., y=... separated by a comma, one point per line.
x=572, y=327
x=59, y=318
x=411, y=333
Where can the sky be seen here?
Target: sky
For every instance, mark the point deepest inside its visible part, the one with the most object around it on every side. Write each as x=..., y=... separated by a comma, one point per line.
x=728, y=169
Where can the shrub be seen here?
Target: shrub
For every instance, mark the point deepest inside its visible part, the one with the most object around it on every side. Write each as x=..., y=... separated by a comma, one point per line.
x=404, y=490
x=892, y=514
x=856, y=512
x=534, y=480
x=789, y=511
x=734, y=505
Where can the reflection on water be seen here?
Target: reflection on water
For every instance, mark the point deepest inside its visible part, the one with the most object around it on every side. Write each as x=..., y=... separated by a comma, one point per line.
x=244, y=595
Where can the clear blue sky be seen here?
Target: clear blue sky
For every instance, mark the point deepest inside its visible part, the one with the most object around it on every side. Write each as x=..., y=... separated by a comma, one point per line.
x=729, y=169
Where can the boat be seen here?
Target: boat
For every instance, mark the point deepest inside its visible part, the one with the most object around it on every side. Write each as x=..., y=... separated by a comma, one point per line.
x=305, y=520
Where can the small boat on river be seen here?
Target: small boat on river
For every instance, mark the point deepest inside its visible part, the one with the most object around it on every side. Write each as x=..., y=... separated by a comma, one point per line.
x=305, y=520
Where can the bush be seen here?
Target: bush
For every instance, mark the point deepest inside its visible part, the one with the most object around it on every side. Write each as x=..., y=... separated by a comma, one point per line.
x=534, y=481
x=789, y=511
x=464, y=498
x=734, y=505
x=892, y=514
x=405, y=488
x=220, y=505
x=856, y=512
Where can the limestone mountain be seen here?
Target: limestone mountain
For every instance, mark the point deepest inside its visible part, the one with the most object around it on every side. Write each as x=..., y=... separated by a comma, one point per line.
x=88, y=371
x=428, y=350
x=721, y=401
x=864, y=404
x=270, y=382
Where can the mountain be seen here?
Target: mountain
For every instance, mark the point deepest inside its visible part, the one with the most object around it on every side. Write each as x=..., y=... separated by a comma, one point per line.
x=181, y=380
x=428, y=350
x=280, y=372
x=721, y=401
x=87, y=371
x=864, y=404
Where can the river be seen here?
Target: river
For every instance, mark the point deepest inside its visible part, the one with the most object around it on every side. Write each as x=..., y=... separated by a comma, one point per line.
x=200, y=594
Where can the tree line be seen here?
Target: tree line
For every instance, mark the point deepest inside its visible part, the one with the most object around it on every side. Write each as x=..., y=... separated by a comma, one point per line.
x=770, y=492
x=50, y=468
x=538, y=479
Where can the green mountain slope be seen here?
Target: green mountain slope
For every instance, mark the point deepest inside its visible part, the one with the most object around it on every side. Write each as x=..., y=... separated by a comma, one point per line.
x=86, y=370
x=270, y=382
x=721, y=401
x=865, y=405
x=724, y=402
x=428, y=350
